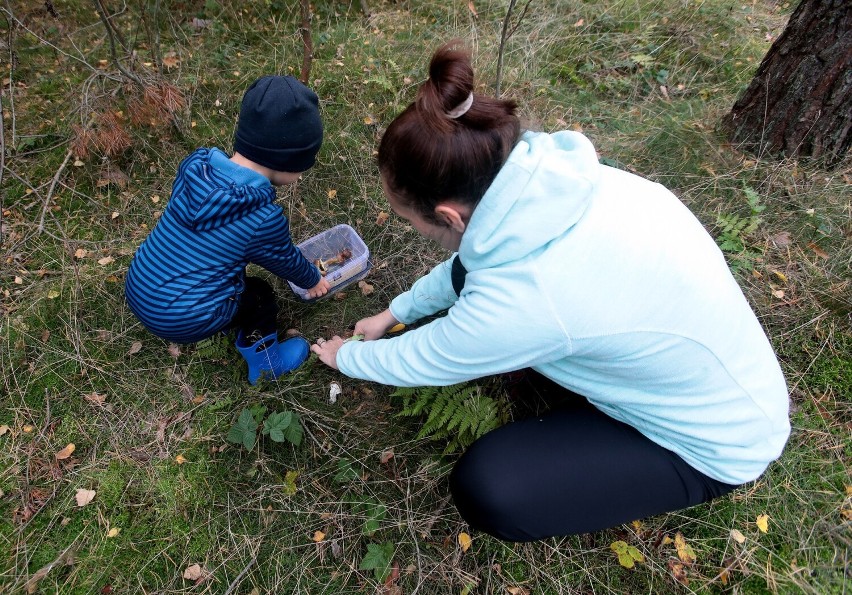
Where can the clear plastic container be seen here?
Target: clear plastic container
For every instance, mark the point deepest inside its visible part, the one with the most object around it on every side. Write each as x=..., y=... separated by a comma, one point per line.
x=329, y=245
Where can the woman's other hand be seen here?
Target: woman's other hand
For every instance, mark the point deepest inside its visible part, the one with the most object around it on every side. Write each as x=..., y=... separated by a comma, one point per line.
x=376, y=326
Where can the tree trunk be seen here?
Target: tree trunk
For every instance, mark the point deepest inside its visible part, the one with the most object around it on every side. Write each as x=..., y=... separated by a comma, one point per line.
x=800, y=100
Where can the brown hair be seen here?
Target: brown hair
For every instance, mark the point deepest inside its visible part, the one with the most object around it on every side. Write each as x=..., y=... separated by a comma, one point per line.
x=426, y=156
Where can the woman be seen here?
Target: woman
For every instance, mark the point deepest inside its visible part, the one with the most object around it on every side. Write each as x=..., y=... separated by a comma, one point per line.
x=597, y=279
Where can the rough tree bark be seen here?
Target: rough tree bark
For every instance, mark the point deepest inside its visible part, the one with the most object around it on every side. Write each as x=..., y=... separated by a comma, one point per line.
x=800, y=101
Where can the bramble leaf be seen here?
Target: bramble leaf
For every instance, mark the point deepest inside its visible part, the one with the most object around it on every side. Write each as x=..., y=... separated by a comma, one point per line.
x=244, y=431
x=378, y=559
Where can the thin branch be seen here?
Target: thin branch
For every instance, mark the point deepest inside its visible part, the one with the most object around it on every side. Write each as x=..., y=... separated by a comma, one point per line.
x=111, y=34
x=504, y=36
x=50, y=190
x=12, y=63
x=308, y=54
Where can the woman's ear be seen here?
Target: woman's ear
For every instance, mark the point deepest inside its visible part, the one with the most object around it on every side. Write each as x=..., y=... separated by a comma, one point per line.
x=454, y=215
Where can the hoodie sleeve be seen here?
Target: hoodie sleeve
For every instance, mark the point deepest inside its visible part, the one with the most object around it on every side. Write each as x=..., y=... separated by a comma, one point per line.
x=477, y=338
x=273, y=249
x=431, y=293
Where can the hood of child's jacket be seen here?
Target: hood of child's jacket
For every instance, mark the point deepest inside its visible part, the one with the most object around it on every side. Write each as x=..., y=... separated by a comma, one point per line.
x=206, y=197
x=538, y=195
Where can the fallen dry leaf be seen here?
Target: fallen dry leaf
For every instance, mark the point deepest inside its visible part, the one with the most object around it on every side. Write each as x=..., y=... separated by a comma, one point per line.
x=80, y=253
x=366, y=288
x=113, y=532
x=3, y=429
x=170, y=60
x=763, y=523
x=817, y=250
x=180, y=459
x=332, y=193
x=381, y=218
x=84, y=496
x=135, y=348
x=464, y=541
x=781, y=239
x=65, y=452
x=193, y=572
x=106, y=260
x=472, y=9
x=95, y=398
x=174, y=350
x=386, y=456
x=737, y=536
x=318, y=536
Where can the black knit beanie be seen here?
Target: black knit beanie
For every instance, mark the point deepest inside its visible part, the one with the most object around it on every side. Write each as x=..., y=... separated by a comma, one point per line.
x=280, y=126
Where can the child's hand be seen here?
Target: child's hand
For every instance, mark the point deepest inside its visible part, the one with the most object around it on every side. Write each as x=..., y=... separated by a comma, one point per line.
x=376, y=326
x=320, y=289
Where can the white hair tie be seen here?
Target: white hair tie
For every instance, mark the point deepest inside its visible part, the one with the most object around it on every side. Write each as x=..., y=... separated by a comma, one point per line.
x=461, y=109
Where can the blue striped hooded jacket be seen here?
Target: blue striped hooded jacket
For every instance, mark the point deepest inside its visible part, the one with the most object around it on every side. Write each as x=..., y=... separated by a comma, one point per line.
x=185, y=280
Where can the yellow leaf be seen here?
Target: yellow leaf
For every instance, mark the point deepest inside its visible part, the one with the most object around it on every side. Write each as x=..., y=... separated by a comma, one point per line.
x=332, y=193
x=396, y=328
x=464, y=541
x=180, y=459
x=65, y=452
x=28, y=429
x=684, y=550
x=849, y=490
x=780, y=276
x=318, y=536
x=368, y=120
x=666, y=540
x=737, y=536
x=113, y=532
x=52, y=294
x=83, y=497
x=763, y=523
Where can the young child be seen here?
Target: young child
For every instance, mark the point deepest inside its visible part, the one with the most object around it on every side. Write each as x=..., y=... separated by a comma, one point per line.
x=187, y=281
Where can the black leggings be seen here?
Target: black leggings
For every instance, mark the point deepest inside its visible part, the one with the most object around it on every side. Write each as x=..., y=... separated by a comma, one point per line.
x=572, y=470
x=258, y=309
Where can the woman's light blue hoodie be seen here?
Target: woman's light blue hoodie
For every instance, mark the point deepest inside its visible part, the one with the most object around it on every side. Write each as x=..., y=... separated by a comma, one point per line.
x=607, y=284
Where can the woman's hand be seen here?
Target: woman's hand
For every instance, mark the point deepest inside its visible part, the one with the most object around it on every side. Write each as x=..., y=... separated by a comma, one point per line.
x=319, y=290
x=376, y=326
x=327, y=350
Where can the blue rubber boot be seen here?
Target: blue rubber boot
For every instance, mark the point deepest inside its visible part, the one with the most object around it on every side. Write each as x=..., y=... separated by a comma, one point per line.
x=269, y=357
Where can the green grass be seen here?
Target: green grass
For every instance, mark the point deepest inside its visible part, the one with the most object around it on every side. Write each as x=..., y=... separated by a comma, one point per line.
x=66, y=334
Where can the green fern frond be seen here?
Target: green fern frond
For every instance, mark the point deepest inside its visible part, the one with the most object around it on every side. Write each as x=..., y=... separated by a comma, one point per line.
x=457, y=414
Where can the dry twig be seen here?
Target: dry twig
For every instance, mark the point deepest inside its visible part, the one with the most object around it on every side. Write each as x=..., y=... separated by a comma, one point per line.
x=308, y=55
